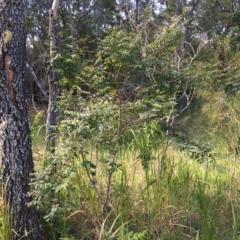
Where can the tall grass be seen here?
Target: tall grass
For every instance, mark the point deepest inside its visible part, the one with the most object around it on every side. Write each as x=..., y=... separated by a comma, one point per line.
x=5, y=220
x=188, y=201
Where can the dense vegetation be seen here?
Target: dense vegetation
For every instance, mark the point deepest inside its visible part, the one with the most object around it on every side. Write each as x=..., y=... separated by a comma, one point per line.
x=148, y=131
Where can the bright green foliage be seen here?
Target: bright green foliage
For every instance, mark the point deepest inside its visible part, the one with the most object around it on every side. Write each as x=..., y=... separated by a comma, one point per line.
x=130, y=83
x=50, y=195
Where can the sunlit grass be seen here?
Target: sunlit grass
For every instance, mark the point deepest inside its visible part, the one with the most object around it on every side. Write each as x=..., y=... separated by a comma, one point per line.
x=5, y=220
x=187, y=202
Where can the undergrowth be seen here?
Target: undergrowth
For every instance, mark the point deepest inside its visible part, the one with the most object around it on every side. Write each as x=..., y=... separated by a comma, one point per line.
x=103, y=186
x=187, y=202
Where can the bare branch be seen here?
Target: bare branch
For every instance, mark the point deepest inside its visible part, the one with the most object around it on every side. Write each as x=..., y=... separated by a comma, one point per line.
x=54, y=8
x=223, y=9
x=195, y=52
x=41, y=87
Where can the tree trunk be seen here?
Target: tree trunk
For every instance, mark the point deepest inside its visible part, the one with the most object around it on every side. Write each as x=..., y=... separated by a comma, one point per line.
x=178, y=7
x=15, y=142
x=137, y=11
x=100, y=18
x=52, y=80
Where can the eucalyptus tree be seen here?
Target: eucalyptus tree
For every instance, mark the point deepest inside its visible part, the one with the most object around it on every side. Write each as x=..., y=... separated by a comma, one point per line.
x=52, y=80
x=37, y=47
x=99, y=18
x=16, y=154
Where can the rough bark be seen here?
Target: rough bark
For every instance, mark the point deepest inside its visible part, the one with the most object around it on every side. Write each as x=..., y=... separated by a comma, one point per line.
x=52, y=82
x=15, y=142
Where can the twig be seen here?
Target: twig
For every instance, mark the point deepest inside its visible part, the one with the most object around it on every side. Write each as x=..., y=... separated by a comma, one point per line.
x=39, y=84
x=107, y=193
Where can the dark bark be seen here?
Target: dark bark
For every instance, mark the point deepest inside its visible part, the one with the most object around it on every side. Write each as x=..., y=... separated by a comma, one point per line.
x=16, y=155
x=136, y=11
x=100, y=18
x=53, y=89
x=178, y=7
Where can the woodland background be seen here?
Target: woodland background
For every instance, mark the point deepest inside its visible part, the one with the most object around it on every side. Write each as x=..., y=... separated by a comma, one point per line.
x=147, y=136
